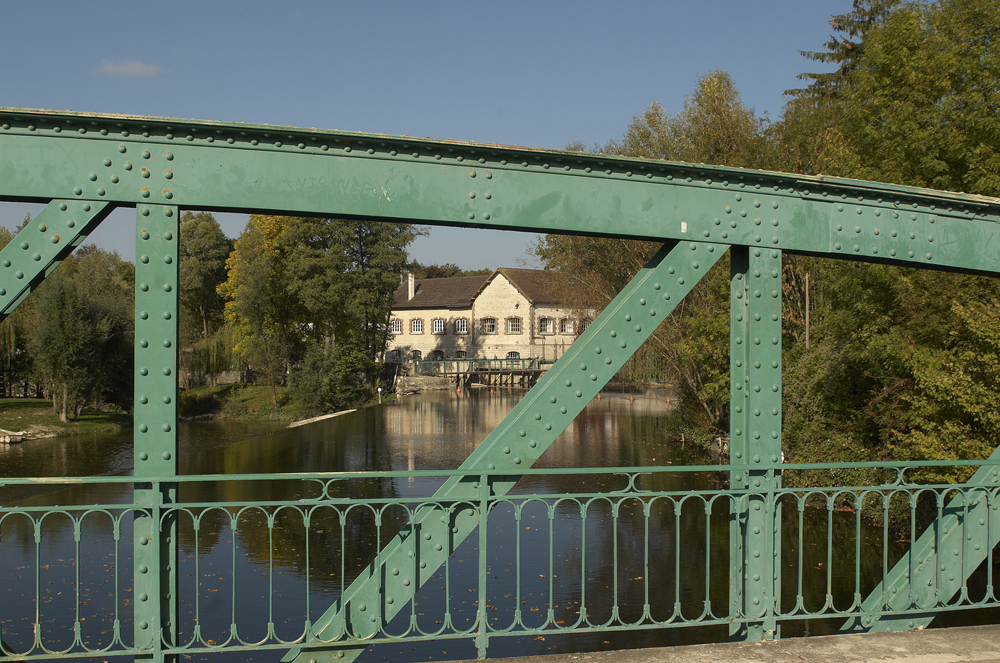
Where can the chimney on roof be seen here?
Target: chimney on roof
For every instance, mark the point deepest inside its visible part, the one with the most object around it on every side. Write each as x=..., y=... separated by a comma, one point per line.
x=409, y=286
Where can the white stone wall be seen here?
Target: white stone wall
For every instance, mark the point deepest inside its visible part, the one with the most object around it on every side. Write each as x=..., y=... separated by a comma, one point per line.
x=427, y=342
x=552, y=345
x=501, y=301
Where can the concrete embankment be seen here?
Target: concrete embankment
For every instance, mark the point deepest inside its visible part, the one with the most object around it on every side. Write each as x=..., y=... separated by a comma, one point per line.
x=412, y=384
x=303, y=422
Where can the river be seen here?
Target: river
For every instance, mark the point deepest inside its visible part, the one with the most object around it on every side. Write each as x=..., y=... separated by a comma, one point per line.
x=248, y=574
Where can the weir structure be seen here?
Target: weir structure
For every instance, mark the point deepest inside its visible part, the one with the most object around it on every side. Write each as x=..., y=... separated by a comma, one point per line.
x=83, y=166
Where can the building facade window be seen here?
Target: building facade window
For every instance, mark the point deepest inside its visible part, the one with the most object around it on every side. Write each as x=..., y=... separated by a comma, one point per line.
x=545, y=326
x=461, y=326
x=513, y=325
x=513, y=355
x=416, y=326
x=461, y=354
x=583, y=325
x=565, y=326
x=416, y=355
x=395, y=355
x=489, y=325
x=395, y=326
x=437, y=326
x=437, y=355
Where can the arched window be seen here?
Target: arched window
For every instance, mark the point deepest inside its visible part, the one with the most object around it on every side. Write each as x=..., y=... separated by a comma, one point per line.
x=565, y=326
x=416, y=326
x=489, y=325
x=513, y=325
x=545, y=326
x=513, y=355
x=416, y=355
x=461, y=354
x=437, y=355
x=395, y=326
x=461, y=326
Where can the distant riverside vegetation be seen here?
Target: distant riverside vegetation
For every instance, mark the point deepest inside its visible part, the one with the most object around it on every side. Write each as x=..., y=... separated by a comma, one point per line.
x=895, y=363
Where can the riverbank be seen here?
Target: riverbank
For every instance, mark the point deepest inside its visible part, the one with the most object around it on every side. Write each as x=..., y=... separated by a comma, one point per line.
x=33, y=418
x=245, y=402
x=242, y=402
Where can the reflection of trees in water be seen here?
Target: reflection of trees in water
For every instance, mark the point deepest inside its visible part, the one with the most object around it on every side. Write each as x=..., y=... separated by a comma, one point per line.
x=263, y=562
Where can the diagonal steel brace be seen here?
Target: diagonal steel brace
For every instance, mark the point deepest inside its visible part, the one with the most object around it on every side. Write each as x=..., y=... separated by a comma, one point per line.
x=44, y=243
x=940, y=561
x=434, y=532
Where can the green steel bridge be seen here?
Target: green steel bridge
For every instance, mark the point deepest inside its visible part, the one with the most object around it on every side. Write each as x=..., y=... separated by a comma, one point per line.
x=83, y=166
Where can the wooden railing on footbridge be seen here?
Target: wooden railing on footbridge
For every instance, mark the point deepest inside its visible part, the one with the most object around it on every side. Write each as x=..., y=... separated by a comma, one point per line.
x=465, y=366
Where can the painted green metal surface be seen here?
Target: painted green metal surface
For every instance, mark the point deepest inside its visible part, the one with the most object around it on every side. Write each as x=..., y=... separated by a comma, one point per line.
x=755, y=439
x=155, y=422
x=84, y=166
x=532, y=426
x=940, y=561
x=44, y=243
x=202, y=165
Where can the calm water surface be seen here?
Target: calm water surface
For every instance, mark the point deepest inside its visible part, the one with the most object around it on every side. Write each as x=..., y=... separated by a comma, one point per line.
x=564, y=563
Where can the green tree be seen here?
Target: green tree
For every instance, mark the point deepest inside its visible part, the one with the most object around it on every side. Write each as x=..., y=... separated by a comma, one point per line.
x=445, y=271
x=922, y=106
x=83, y=322
x=691, y=347
x=841, y=49
x=259, y=309
x=713, y=127
x=203, y=252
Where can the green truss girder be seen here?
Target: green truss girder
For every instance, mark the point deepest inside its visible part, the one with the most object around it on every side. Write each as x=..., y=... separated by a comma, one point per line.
x=413, y=556
x=940, y=561
x=203, y=165
x=755, y=440
x=85, y=165
x=44, y=243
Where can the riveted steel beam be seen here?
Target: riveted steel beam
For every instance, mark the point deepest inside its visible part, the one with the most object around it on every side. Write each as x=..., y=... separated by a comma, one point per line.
x=755, y=440
x=44, y=243
x=155, y=425
x=526, y=432
x=940, y=561
x=205, y=165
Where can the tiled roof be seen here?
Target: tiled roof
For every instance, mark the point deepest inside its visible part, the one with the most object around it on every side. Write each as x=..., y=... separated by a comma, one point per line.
x=537, y=285
x=457, y=292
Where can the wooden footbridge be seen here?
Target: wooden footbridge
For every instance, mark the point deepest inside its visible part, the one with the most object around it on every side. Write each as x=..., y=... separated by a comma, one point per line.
x=492, y=372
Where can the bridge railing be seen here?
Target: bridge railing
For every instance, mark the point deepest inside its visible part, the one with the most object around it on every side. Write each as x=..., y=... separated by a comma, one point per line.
x=453, y=366
x=587, y=552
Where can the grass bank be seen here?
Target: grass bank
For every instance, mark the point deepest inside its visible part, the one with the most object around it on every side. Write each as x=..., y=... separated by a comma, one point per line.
x=247, y=402
x=34, y=416
x=238, y=401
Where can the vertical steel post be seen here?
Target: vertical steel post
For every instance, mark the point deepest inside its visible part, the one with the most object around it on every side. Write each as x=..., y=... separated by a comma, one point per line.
x=155, y=446
x=755, y=441
x=483, y=637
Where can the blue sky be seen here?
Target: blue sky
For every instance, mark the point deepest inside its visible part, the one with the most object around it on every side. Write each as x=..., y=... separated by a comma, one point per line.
x=534, y=73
